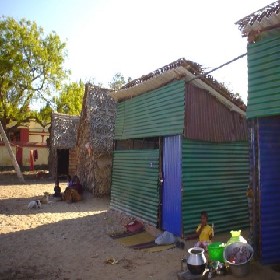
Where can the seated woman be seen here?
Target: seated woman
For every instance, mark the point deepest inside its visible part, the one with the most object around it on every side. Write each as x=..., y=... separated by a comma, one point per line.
x=74, y=192
x=69, y=180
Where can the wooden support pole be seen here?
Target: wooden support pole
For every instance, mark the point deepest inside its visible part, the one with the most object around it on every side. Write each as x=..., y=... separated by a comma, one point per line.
x=10, y=151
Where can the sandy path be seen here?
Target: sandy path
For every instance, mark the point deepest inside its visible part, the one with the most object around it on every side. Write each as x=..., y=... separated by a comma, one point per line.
x=70, y=241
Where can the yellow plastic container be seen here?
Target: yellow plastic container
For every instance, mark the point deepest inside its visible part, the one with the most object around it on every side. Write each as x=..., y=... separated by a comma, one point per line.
x=236, y=237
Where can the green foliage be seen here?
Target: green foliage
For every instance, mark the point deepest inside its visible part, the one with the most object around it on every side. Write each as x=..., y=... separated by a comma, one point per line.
x=31, y=68
x=43, y=117
x=117, y=82
x=71, y=99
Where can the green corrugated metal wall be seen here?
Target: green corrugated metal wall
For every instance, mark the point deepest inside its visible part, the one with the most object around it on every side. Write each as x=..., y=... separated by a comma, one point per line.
x=215, y=179
x=264, y=77
x=135, y=183
x=156, y=113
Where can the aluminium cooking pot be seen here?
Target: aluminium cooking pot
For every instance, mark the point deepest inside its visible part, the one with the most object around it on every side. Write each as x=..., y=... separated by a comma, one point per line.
x=196, y=261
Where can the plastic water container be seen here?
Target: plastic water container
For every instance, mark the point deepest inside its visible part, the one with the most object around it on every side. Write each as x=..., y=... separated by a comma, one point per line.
x=216, y=251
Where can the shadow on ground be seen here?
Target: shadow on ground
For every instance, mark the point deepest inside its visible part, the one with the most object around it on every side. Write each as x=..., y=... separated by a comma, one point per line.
x=52, y=250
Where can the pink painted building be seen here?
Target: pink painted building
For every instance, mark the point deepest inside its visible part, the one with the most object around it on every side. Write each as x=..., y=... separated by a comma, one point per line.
x=24, y=141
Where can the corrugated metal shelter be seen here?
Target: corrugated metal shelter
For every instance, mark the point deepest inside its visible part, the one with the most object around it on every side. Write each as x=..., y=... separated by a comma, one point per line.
x=263, y=31
x=180, y=148
x=63, y=136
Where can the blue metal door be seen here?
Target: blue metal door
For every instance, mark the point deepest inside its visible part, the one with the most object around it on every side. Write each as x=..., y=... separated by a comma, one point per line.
x=269, y=196
x=171, y=196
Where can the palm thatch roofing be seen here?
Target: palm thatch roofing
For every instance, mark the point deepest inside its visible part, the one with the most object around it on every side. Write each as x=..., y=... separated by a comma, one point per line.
x=178, y=70
x=263, y=19
x=64, y=130
x=98, y=117
x=95, y=140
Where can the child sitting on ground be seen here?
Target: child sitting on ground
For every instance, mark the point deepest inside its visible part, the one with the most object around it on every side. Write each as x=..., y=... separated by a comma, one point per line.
x=203, y=232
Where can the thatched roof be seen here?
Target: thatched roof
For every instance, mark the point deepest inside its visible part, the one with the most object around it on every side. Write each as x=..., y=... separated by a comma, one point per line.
x=95, y=140
x=178, y=70
x=98, y=116
x=261, y=20
x=64, y=131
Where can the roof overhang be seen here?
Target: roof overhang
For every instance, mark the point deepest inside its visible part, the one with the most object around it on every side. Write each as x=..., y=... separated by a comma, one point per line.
x=179, y=73
x=264, y=19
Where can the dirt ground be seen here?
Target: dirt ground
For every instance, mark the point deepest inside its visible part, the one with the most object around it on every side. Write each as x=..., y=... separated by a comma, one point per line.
x=71, y=241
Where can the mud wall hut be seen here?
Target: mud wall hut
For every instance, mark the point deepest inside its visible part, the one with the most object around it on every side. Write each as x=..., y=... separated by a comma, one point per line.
x=263, y=114
x=95, y=140
x=180, y=148
x=63, y=136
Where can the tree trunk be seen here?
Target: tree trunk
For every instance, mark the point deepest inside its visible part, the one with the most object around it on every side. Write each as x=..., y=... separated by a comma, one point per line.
x=13, y=158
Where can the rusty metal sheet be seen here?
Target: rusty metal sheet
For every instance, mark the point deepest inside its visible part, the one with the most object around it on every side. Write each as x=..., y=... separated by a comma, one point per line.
x=209, y=120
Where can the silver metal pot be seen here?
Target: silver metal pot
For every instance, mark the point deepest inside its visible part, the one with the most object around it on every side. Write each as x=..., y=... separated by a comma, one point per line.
x=196, y=261
x=240, y=269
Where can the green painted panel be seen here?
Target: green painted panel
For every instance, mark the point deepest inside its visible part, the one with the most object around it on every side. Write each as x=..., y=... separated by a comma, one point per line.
x=215, y=179
x=264, y=77
x=135, y=183
x=156, y=113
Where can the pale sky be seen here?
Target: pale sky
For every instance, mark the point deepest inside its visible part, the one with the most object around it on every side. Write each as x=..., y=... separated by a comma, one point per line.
x=135, y=37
